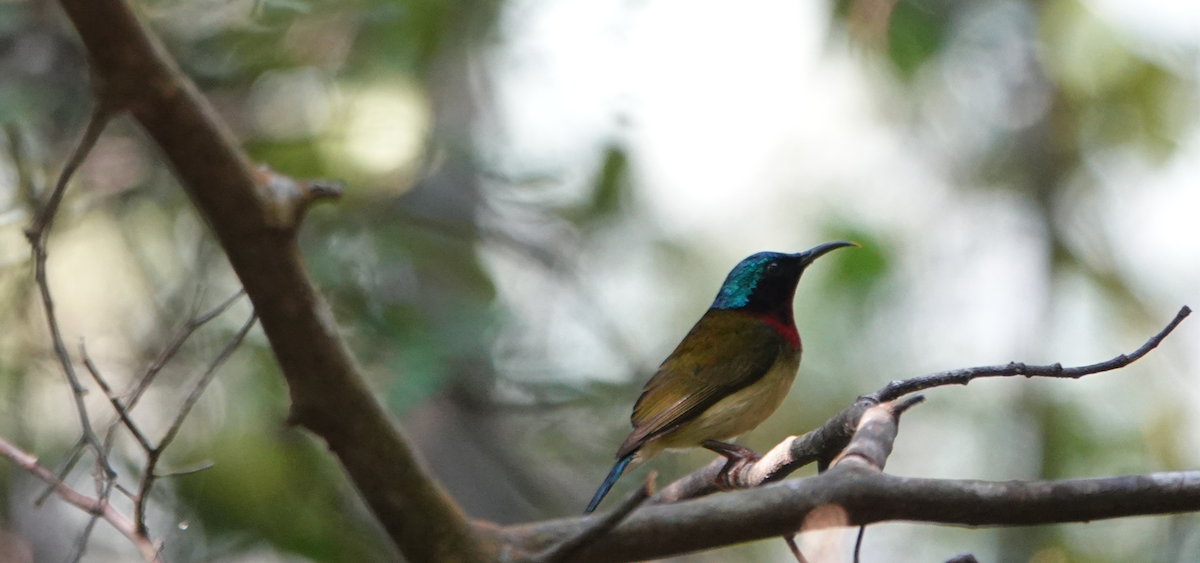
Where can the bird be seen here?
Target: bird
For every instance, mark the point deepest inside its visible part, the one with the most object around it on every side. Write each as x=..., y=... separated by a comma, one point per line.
x=729, y=373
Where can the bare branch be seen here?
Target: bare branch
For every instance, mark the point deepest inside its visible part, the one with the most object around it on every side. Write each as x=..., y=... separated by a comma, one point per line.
x=76, y=453
x=821, y=445
x=862, y=531
x=876, y=433
x=189, y=471
x=597, y=526
x=177, y=341
x=99, y=118
x=867, y=496
x=122, y=412
x=790, y=540
x=38, y=234
x=93, y=506
x=149, y=474
x=964, y=376
x=81, y=542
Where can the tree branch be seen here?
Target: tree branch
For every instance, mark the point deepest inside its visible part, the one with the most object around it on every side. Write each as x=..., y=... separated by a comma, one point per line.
x=254, y=215
x=868, y=497
x=153, y=454
x=38, y=235
x=90, y=505
x=596, y=528
x=964, y=376
x=122, y=410
x=181, y=336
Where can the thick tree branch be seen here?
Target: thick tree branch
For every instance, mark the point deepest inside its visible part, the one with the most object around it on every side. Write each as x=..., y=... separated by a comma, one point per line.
x=868, y=497
x=253, y=214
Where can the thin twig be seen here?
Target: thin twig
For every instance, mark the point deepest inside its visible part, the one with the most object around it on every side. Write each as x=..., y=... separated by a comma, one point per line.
x=122, y=412
x=155, y=453
x=862, y=531
x=177, y=342
x=189, y=471
x=72, y=458
x=99, y=118
x=964, y=376
x=143, y=383
x=81, y=542
x=38, y=235
x=790, y=540
x=598, y=526
x=194, y=395
x=71, y=496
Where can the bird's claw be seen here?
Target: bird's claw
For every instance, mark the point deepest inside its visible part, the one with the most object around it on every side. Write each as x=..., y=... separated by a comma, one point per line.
x=738, y=458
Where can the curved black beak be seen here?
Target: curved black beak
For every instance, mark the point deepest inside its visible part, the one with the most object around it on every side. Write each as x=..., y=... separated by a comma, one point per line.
x=808, y=256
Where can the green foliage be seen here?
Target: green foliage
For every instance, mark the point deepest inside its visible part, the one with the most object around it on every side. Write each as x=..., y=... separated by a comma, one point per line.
x=279, y=488
x=298, y=159
x=915, y=34
x=609, y=189
x=1118, y=97
x=857, y=270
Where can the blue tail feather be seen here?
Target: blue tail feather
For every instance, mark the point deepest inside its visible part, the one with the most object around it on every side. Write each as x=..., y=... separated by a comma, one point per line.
x=613, y=475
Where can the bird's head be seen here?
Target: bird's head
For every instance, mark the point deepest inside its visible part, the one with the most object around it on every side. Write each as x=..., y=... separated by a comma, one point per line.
x=765, y=282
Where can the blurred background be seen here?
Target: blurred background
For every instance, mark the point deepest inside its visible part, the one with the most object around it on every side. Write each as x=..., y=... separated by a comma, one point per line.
x=544, y=195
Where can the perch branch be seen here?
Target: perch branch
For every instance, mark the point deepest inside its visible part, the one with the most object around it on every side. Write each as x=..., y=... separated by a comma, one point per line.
x=965, y=376
x=824, y=443
x=868, y=497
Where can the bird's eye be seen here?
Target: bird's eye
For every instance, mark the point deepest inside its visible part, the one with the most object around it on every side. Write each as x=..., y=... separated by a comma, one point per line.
x=772, y=269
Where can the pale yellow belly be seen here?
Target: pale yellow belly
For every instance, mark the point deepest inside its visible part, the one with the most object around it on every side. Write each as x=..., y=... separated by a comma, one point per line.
x=734, y=415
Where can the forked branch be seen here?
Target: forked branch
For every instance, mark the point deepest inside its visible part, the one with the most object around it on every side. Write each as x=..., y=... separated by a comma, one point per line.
x=100, y=508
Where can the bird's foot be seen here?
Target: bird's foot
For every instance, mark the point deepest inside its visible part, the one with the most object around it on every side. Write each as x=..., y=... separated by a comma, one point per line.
x=738, y=457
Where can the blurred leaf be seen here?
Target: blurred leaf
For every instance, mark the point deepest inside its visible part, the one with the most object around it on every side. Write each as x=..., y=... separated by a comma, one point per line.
x=283, y=491
x=611, y=182
x=297, y=159
x=420, y=371
x=856, y=270
x=915, y=34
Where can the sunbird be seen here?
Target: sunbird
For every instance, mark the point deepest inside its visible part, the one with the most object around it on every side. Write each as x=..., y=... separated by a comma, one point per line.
x=729, y=373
